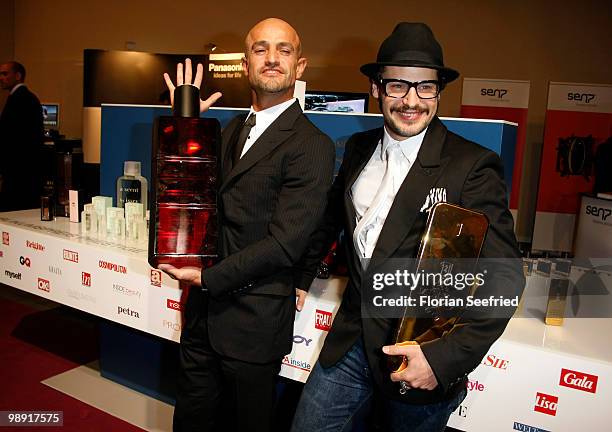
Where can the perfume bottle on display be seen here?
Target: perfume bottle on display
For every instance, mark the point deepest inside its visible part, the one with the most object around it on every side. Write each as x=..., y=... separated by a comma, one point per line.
x=131, y=186
x=183, y=212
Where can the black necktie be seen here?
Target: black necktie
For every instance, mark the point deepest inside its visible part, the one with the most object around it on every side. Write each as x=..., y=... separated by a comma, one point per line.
x=244, y=134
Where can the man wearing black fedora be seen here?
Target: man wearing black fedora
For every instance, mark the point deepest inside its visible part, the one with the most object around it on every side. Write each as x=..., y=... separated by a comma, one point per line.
x=389, y=180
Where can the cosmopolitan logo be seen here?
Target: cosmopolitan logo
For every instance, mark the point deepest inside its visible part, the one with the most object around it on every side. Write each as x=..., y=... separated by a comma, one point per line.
x=526, y=428
x=224, y=68
x=475, y=386
x=173, y=304
x=55, y=270
x=156, y=278
x=599, y=212
x=35, y=245
x=495, y=362
x=112, y=266
x=174, y=326
x=578, y=380
x=546, y=404
x=580, y=97
x=126, y=291
x=71, y=256
x=297, y=364
x=323, y=320
x=127, y=311
x=298, y=339
x=12, y=275
x=498, y=93
x=44, y=285
x=85, y=279
x=25, y=261
x=6, y=238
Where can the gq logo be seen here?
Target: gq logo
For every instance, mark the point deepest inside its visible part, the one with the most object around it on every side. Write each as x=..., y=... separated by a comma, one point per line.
x=600, y=212
x=24, y=261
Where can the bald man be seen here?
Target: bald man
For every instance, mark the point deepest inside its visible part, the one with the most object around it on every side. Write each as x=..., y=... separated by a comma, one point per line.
x=276, y=170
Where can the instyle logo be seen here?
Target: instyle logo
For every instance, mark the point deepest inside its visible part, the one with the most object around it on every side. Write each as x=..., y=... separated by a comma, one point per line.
x=127, y=311
x=495, y=362
x=173, y=304
x=580, y=97
x=6, y=238
x=55, y=270
x=475, y=386
x=498, y=93
x=526, y=428
x=298, y=339
x=323, y=320
x=44, y=285
x=71, y=256
x=126, y=291
x=35, y=246
x=12, y=275
x=297, y=364
x=156, y=277
x=112, y=266
x=25, y=261
x=578, y=380
x=546, y=404
x=85, y=279
x=174, y=326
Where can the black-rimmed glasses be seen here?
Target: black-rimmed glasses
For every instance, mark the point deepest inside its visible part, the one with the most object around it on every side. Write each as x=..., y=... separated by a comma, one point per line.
x=397, y=88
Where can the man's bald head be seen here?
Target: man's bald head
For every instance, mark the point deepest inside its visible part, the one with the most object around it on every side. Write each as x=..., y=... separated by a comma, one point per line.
x=276, y=25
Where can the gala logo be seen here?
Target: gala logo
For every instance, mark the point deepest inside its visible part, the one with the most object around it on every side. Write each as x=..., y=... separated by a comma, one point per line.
x=578, y=380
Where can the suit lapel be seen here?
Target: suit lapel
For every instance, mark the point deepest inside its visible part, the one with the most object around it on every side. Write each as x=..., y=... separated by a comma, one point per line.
x=410, y=197
x=274, y=135
x=230, y=135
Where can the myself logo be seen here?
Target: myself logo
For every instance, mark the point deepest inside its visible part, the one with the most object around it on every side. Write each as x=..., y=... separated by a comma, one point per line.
x=44, y=285
x=12, y=275
x=297, y=364
x=35, y=246
x=495, y=362
x=546, y=404
x=85, y=279
x=526, y=428
x=6, y=238
x=498, y=93
x=25, y=261
x=156, y=277
x=71, y=256
x=323, y=320
x=173, y=304
x=578, y=380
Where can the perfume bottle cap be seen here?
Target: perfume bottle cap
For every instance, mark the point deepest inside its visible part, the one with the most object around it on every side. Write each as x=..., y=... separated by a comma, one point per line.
x=131, y=168
x=187, y=101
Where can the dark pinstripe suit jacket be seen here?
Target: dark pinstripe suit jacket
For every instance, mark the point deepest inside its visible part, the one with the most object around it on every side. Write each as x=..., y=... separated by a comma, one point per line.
x=269, y=204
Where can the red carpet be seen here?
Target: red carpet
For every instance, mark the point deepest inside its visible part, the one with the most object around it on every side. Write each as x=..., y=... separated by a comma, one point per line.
x=36, y=345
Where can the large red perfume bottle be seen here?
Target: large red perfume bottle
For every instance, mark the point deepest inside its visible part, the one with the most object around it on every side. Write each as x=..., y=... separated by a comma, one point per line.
x=183, y=211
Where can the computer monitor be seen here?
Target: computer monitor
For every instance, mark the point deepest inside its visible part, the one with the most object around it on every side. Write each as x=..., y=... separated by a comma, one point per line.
x=336, y=102
x=50, y=115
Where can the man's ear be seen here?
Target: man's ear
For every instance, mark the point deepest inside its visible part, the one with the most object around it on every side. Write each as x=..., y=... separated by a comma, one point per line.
x=245, y=66
x=300, y=67
x=374, y=89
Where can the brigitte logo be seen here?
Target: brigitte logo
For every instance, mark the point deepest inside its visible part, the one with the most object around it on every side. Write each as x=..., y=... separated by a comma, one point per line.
x=546, y=404
x=323, y=320
x=578, y=380
x=156, y=277
x=25, y=261
x=35, y=246
x=6, y=238
x=44, y=285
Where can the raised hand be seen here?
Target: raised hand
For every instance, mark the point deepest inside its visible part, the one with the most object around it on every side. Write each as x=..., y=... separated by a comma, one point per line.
x=183, y=76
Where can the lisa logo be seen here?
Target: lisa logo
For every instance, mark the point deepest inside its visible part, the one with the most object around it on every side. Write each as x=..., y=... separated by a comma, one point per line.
x=323, y=320
x=6, y=238
x=156, y=278
x=546, y=404
x=85, y=279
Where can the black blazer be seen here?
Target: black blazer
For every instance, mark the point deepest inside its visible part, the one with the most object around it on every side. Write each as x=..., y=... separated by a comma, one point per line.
x=269, y=205
x=473, y=178
x=21, y=138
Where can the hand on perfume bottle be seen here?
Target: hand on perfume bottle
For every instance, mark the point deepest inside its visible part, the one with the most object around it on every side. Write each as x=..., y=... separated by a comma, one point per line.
x=185, y=78
x=300, y=299
x=190, y=275
x=418, y=374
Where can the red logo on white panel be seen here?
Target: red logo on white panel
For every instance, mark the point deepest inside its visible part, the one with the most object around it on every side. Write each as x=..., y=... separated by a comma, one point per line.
x=495, y=362
x=156, y=277
x=173, y=304
x=44, y=285
x=475, y=386
x=85, y=279
x=112, y=266
x=35, y=245
x=323, y=320
x=71, y=256
x=578, y=380
x=6, y=238
x=546, y=404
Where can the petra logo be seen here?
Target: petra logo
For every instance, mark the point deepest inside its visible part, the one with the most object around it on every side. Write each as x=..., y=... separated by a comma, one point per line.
x=498, y=93
x=71, y=256
x=85, y=279
x=581, y=97
x=174, y=326
x=25, y=261
x=12, y=275
x=298, y=339
x=578, y=380
x=173, y=304
x=6, y=238
x=112, y=266
x=44, y=285
x=297, y=364
x=127, y=311
x=546, y=404
x=475, y=386
x=34, y=245
x=495, y=362
x=323, y=320
x=600, y=212
x=156, y=277
x=526, y=428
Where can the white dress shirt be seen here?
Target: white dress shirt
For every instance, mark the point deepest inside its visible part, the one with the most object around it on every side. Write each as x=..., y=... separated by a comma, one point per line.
x=365, y=188
x=263, y=120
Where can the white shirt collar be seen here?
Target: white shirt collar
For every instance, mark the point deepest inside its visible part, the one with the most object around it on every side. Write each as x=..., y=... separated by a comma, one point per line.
x=16, y=87
x=410, y=146
x=268, y=115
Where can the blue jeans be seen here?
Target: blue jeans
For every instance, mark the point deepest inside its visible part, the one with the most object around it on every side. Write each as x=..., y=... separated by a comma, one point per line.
x=337, y=398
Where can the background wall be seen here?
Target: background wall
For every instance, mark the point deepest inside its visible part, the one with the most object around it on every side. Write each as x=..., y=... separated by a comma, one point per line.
x=7, y=36
x=539, y=41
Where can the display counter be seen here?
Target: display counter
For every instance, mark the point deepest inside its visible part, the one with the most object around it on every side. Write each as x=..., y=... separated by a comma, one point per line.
x=535, y=376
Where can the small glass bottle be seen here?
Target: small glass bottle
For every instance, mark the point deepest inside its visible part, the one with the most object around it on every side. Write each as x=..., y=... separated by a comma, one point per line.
x=131, y=186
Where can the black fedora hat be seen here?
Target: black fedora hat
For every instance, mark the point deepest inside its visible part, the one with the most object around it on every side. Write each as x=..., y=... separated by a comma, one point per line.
x=411, y=44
